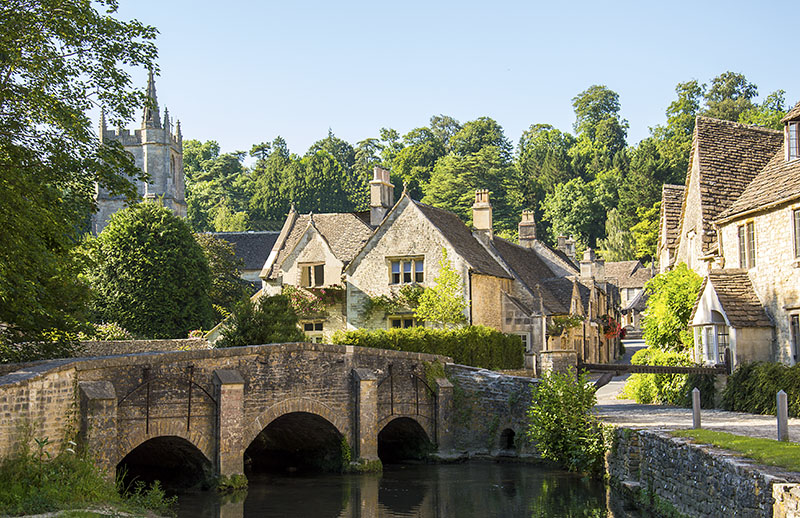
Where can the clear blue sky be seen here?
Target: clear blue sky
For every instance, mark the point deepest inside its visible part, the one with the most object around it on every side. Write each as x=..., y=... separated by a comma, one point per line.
x=242, y=72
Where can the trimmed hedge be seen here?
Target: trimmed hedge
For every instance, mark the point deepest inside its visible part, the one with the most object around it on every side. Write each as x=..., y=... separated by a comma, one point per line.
x=477, y=346
x=753, y=388
x=668, y=389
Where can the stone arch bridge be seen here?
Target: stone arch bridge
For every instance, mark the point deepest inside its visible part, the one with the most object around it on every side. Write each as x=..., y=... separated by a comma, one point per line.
x=220, y=400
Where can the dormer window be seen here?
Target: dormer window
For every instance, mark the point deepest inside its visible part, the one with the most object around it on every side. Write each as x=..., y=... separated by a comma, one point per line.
x=793, y=140
x=312, y=275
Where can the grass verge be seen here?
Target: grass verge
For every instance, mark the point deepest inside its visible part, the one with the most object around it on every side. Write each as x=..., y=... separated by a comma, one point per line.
x=765, y=451
x=36, y=483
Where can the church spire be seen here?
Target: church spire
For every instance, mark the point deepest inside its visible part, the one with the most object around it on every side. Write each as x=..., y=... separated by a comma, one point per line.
x=102, y=124
x=151, y=117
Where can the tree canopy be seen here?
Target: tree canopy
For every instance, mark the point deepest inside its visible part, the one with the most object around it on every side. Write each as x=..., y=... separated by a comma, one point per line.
x=58, y=60
x=150, y=275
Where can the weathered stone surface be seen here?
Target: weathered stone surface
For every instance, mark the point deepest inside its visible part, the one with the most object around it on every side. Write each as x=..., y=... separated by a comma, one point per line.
x=697, y=480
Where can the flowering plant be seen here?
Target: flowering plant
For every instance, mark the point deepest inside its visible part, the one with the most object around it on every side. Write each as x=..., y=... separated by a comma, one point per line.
x=312, y=301
x=611, y=328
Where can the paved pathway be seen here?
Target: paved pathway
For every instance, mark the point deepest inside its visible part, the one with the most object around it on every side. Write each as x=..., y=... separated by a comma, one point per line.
x=625, y=412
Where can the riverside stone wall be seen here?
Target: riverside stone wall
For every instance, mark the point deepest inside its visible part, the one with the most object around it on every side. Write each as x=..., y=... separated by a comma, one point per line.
x=664, y=472
x=486, y=405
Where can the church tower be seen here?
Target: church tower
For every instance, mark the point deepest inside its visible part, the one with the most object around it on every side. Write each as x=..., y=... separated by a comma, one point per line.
x=157, y=150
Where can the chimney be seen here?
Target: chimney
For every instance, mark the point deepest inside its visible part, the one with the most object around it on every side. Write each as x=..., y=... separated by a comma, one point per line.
x=381, y=196
x=482, y=212
x=527, y=229
x=566, y=245
x=592, y=267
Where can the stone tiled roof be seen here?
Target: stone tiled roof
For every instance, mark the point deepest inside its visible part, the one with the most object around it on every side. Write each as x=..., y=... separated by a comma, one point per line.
x=628, y=274
x=671, y=200
x=561, y=290
x=462, y=240
x=778, y=182
x=793, y=114
x=345, y=232
x=252, y=248
x=738, y=298
x=637, y=303
x=730, y=155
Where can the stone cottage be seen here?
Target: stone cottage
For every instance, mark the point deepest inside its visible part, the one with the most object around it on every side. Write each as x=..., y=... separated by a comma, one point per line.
x=376, y=262
x=740, y=229
x=630, y=277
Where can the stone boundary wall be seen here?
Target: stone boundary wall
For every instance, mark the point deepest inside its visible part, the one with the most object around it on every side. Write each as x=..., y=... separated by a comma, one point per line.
x=117, y=347
x=485, y=403
x=787, y=500
x=662, y=472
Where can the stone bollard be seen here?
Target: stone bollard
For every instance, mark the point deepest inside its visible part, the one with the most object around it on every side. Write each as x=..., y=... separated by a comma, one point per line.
x=783, y=417
x=696, y=408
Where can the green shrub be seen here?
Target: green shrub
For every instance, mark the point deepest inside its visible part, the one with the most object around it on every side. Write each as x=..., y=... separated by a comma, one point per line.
x=667, y=389
x=477, y=346
x=33, y=483
x=561, y=423
x=269, y=320
x=753, y=388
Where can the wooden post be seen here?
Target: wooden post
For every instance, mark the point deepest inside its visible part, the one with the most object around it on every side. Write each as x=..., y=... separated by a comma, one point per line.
x=696, y=408
x=783, y=417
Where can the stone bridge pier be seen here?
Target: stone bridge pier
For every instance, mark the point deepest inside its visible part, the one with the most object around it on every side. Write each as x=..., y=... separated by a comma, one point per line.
x=208, y=411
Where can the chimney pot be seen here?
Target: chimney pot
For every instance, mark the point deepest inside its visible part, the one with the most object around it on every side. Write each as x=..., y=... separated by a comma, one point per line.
x=381, y=194
x=527, y=229
x=482, y=212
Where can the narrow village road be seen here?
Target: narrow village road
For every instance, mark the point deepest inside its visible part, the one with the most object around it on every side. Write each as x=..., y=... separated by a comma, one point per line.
x=627, y=413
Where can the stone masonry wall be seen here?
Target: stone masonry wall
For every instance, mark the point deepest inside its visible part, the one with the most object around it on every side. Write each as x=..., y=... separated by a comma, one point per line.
x=695, y=480
x=485, y=403
x=776, y=275
x=115, y=347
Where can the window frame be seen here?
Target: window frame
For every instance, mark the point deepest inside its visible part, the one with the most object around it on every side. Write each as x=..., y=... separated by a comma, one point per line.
x=409, y=270
x=316, y=333
x=794, y=332
x=793, y=140
x=796, y=232
x=402, y=319
x=310, y=270
x=746, y=233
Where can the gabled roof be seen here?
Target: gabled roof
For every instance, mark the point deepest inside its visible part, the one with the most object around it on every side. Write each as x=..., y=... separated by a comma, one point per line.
x=462, y=240
x=561, y=289
x=344, y=232
x=730, y=155
x=637, y=303
x=252, y=248
x=671, y=200
x=777, y=183
x=793, y=114
x=628, y=274
x=737, y=296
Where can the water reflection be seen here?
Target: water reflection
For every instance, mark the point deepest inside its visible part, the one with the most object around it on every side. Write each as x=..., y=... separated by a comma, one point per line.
x=479, y=489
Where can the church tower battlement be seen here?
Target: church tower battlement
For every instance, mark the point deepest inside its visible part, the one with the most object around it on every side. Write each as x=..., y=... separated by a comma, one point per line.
x=157, y=149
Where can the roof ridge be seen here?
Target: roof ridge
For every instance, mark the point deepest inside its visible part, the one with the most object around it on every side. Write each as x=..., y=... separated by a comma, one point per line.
x=740, y=125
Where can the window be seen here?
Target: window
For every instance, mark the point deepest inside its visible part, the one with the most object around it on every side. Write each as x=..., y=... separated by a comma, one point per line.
x=402, y=322
x=747, y=245
x=313, y=330
x=406, y=271
x=312, y=275
x=796, y=221
x=794, y=141
x=524, y=337
x=795, y=325
x=715, y=339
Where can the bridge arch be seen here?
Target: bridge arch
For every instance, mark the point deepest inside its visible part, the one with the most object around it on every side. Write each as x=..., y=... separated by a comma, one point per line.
x=402, y=438
x=292, y=405
x=174, y=461
x=128, y=442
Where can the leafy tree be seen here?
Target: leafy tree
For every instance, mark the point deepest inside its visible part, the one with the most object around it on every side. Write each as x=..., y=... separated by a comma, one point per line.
x=543, y=156
x=227, y=287
x=729, y=95
x=445, y=127
x=767, y=114
x=479, y=134
x=562, y=424
x=415, y=162
x=675, y=139
x=443, y=303
x=573, y=210
x=150, y=275
x=671, y=298
x=597, y=118
x=269, y=320
x=620, y=244
x=648, y=171
x=645, y=233
x=58, y=60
